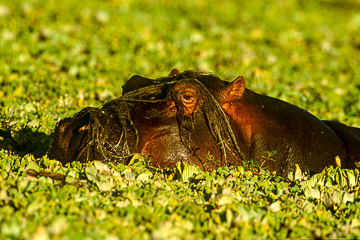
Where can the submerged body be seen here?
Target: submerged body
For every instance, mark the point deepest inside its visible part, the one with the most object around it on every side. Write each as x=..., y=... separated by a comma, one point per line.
x=266, y=125
x=198, y=118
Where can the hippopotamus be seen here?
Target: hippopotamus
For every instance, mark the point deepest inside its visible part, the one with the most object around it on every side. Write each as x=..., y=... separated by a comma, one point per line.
x=196, y=117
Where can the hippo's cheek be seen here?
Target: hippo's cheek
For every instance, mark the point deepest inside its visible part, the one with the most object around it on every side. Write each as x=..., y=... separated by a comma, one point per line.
x=165, y=150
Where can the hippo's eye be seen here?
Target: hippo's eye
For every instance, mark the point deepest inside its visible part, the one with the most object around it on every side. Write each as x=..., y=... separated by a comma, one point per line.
x=188, y=98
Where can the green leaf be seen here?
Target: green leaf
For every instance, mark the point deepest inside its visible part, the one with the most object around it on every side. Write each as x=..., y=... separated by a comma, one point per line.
x=41, y=233
x=102, y=168
x=129, y=174
x=187, y=171
x=312, y=193
x=72, y=176
x=348, y=197
x=298, y=173
x=352, y=181
x=275, y=206
x=308, y=206
x=58, y=225
x=341, y=178
x=11, y=229
x=105, y=184
x=332, y=199
x=225, y=200
x=91, y=172
x=29, y=107
x=144, y=177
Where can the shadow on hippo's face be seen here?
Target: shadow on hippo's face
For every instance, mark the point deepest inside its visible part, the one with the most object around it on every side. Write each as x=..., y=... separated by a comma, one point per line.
x=70, y=136
x=92, y=134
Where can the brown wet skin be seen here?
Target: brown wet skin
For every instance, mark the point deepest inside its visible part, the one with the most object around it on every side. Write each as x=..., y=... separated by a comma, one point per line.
x=198, y=118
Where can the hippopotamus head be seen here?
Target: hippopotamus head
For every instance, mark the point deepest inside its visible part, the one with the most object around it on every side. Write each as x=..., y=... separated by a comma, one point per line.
x=169, y=119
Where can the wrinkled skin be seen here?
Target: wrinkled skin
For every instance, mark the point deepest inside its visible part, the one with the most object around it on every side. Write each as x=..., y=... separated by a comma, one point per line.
x=196, y=117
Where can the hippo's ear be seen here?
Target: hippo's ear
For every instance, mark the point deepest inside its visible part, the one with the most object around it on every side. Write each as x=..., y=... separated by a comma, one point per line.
x=174, y=72
x=136, y=82
x=234, y=91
